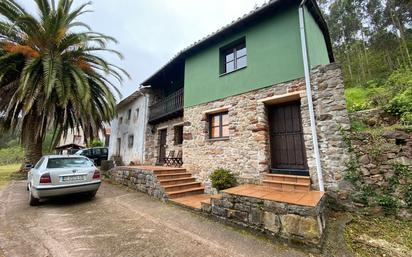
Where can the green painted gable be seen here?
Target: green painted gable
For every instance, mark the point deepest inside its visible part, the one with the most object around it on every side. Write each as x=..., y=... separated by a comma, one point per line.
x=274, y=56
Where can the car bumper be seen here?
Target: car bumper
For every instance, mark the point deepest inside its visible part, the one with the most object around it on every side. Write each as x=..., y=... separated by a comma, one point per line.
x=50, y=191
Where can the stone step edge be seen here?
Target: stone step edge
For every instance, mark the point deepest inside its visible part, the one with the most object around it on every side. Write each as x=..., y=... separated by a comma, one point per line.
x=177, y=170
x=183, y=184
x=185, y=191
x=173, y=174
x=287, y=176
x=287, y=183
x=174, y=179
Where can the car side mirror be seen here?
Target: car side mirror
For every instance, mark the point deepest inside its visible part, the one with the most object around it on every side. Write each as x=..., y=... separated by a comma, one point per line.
x=29, y=166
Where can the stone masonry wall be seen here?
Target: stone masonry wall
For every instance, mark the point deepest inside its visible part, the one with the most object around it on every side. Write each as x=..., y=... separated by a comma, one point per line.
x=152, y=140
x=382, y=174
x=246, y=152
x=302, y=224
x=141, y=180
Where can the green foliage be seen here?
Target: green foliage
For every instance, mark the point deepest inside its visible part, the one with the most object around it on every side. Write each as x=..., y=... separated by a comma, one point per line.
x=222, y=179
x=358, y=126
x=400, y=84
x=96, y=143
x=11, y=155
x=53, y=75
x=389, y=203
x=357, y=99
x=408, y=196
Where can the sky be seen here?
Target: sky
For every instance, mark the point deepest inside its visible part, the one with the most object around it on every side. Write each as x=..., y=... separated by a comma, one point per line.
x=151, y=32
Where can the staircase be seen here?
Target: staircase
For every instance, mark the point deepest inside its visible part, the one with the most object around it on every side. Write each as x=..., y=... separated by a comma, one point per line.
x=177, y=182
x=287, y=183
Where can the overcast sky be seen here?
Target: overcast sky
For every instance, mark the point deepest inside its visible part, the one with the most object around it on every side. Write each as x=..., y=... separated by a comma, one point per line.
x=151, y=32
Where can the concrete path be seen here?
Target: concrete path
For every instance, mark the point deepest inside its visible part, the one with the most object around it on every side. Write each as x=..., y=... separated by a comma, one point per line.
x=118, y=222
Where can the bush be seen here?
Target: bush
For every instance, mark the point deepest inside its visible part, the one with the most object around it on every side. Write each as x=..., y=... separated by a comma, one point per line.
x=389, y=204
x=96, y=143
x=11, y=155
x=222, y=179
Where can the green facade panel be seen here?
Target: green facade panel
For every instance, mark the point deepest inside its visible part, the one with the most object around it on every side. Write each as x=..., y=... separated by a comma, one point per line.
x=274, y=55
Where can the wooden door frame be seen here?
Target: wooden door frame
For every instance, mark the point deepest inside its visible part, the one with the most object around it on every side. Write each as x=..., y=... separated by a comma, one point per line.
x=159, y=145
x=291, y=171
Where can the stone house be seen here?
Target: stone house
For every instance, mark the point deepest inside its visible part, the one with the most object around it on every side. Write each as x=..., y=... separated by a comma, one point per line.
x=261, y=95
x=128, y=129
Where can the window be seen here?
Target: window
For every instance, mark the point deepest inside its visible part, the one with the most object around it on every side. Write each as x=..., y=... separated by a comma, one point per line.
x=39, y=163
x=129, y=114
x=130, y=142
x=121, y=120
x=77, y=162
x=219, y=125
x=233, y=57
x=137, y=113
x=77, y=139
x=178, y=135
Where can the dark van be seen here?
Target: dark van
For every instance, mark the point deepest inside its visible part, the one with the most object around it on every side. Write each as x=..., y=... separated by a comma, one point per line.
x=96, y=154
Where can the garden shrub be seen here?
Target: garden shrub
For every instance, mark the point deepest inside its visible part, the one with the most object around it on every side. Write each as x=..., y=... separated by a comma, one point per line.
x=389, y=203
x=222, y=179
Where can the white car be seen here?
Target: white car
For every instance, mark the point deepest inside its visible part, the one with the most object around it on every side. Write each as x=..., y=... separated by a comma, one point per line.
x=56, y=175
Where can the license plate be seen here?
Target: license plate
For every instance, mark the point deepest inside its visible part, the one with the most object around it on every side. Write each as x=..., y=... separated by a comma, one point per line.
x=73, y=178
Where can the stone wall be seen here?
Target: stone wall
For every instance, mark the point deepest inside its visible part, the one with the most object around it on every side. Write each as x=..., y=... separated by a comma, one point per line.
x=152, y=140
x=246, y=152
x=298, y=224
x=141, y=180
x=381, y=171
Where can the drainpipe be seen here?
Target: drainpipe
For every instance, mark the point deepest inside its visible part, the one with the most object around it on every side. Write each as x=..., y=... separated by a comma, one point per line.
x=146, y=110
x=309, y=95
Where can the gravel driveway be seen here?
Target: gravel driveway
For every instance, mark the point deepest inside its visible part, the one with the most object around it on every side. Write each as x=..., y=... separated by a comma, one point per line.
x=118, y=222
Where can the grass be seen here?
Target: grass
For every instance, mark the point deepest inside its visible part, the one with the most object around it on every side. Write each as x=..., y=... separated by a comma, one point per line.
x=6, y=172
x=389, y=230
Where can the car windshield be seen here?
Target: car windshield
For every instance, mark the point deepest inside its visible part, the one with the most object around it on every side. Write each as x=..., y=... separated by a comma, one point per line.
x=55, y=163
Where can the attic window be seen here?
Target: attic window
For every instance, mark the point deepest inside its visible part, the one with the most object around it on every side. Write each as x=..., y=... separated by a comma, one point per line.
x=233, y=56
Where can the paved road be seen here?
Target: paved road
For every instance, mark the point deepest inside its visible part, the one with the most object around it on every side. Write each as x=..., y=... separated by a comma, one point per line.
x=118, y=222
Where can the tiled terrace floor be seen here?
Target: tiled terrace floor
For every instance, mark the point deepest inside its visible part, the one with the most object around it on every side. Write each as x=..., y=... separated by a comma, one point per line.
x=154, y=168
x=309, y=198
x=195, y=201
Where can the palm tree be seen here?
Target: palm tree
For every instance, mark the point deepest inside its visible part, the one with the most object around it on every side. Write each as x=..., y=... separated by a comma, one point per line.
x=51, y=74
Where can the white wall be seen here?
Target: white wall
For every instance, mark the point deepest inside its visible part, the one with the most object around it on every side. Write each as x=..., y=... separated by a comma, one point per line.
x=135, y=126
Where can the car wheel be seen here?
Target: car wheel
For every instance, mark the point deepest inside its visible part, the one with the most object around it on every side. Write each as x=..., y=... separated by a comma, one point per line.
x=33, y=201
x=92, y=194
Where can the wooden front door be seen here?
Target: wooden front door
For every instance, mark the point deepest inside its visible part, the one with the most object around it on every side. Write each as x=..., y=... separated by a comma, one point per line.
x=286, y=139
x=162, y=145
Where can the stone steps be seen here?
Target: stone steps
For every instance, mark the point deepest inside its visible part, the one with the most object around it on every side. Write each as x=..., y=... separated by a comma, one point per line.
x=167, y=182
x=174, y=176
x=181, y=186
x=186, y=192
x=289, y=183
x=177, y=183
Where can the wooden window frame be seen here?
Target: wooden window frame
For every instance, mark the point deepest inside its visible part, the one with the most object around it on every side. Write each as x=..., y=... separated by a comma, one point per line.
x=220, y=126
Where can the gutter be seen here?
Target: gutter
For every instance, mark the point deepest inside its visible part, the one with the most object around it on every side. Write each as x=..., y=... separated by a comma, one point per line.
x=309, y=96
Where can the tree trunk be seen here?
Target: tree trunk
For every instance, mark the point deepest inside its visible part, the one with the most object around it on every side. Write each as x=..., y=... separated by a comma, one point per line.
x=32, y=138
x=33, y=151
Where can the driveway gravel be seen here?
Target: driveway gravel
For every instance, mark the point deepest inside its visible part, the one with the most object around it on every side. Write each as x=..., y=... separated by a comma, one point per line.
x=119, y=222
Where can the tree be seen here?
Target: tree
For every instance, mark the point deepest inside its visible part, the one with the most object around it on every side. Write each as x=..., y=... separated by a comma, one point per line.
x=51, y=74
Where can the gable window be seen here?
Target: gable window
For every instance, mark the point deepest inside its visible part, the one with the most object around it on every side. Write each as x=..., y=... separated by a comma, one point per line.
x=130, y=141
x=219, y=125
x=129, y=114
x=178, y=135
x=233, y=57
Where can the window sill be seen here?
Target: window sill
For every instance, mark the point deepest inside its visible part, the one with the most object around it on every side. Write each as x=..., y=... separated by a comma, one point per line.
x=217, y=139
x=230, y=72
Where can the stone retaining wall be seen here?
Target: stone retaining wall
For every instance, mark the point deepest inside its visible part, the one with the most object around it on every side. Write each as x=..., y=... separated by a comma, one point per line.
x=294, y=223
x=246, y=152
x=141, y=180
x=380, y=171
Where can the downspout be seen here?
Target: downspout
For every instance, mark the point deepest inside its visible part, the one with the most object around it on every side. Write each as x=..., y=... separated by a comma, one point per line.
x=146, y=107
x=309, y=96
